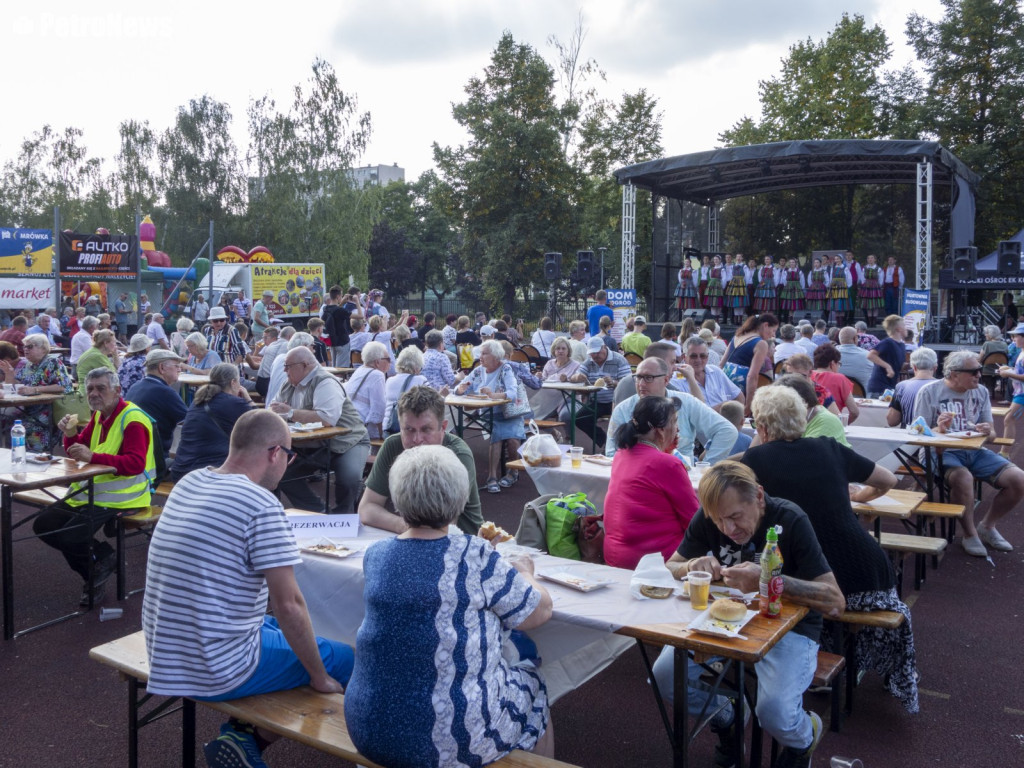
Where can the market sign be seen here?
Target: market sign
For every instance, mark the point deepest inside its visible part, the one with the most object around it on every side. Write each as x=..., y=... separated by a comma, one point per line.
x=26, y=251
x=27, y=293
x=98, y=255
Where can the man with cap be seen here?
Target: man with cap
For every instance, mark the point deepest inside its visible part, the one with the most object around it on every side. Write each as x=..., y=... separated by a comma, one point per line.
x=601, y=363
x=92, y=306
x=156, y=394
x=636, y=341
x=374, y=307
x=155, y=331
x=261, y=313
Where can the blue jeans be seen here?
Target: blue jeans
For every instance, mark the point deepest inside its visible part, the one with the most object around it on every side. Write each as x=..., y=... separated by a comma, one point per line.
x=782, y=677
x=279, y=669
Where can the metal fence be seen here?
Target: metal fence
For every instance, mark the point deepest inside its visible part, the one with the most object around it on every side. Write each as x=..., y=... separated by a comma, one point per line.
x=565, y=310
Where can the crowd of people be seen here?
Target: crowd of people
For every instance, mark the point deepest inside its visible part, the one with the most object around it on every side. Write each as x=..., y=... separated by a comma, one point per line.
x=223, y=533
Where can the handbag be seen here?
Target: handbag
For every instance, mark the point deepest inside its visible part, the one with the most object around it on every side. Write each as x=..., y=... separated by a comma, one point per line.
x=72, y=403
x=520, y=405
x=562, y=515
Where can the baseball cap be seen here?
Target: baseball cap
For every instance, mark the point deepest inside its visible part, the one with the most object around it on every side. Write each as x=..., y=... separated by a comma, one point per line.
x=595, y=345
x=639, y=320
x=487, y=330
x=160, y=356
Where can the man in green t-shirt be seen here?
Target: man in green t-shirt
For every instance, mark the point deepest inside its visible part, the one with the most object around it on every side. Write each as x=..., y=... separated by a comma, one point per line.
x=422, y=422
x=636, y=341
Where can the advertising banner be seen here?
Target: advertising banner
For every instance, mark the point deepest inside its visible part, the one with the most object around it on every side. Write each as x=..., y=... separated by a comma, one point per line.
x=298, y=288
x=27, y=293
x=915, y=312
x=623, y=304
x=97, y=256
x=26, y=251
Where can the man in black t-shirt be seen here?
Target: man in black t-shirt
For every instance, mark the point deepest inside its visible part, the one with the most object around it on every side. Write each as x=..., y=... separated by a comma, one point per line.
x=336, y=323
x=732, y=525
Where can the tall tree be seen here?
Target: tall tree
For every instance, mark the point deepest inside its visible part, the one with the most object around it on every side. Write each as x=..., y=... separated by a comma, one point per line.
x=510, y=186
x=133, y=183
x=575, y=73
x=974, y=60
x=201, y=176
x=303, y=201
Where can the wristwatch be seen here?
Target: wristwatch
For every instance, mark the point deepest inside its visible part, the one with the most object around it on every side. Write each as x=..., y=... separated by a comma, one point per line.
x=288, y=416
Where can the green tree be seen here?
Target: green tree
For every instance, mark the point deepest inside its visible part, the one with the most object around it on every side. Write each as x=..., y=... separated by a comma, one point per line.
x=302, y=198
x=133, y=184
x=974, y=104
x=510, y=186
x=201, y=177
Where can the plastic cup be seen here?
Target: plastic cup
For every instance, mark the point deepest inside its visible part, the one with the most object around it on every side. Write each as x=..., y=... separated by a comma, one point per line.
x=845, y=418
x=846, y=762
x=576, y=456
x=700, y=586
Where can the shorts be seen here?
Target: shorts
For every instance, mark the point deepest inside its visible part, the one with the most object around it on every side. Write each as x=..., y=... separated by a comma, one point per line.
x=983, y=464
x=279, y=669
x=1018, y=400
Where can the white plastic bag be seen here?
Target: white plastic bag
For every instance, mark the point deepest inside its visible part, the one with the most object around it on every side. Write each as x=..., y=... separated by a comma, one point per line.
x=541, y=451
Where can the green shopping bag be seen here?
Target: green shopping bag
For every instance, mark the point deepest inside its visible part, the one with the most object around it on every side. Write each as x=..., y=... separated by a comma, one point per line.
x=561, y=518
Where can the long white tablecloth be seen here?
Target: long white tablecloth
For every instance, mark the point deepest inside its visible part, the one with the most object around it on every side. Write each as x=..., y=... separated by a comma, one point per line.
x=576, y=644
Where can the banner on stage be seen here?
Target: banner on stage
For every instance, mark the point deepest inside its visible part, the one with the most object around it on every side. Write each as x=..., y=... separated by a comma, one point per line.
x=915, y=311
x=623, y=304
x=26, y=252
x=92, y=256
x=26, y=293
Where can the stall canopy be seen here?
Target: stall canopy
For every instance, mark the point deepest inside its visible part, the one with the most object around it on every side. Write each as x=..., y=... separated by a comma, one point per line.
x=720, y=174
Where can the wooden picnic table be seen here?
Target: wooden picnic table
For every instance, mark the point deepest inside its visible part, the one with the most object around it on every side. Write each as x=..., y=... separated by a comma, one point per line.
x=62, y=472
x=572, y=393
x=468, y=407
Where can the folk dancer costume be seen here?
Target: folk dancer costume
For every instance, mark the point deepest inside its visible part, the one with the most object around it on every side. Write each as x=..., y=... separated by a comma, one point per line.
x=791, y=297
x=870, y=292
x=713, y=290
x=705, y=273
x=838, y=291
x=817, y=288
x=765, y=299
x=686, y=288
x=735, y=294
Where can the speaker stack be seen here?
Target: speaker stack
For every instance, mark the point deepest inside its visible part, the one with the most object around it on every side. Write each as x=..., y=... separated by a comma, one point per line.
x=964, y=261
x=1009, y=258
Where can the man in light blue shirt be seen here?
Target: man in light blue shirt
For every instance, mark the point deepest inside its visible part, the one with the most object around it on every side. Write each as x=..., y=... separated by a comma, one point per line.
x=695, y=419
x=43, y=326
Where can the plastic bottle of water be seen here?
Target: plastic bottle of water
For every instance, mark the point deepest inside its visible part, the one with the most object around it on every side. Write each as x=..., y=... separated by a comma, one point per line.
x=18, y=445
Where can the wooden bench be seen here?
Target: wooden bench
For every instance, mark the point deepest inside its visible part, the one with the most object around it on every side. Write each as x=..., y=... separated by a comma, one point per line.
x=944, y=513
x=548, y=423
x=827, y=675
x=903, y=544
x=141, y=520
x=301, y=714
x=844, y=630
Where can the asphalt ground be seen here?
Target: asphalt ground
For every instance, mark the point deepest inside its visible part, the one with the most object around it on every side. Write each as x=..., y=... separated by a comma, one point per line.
x=59, y=709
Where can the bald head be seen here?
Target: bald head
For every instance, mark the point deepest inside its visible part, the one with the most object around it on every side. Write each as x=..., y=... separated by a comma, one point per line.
x=848, y=335
x=300, y=355
x=255, y=432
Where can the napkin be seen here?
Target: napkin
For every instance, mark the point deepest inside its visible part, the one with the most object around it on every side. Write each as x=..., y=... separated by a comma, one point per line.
x=919, y=427
x=651, y=571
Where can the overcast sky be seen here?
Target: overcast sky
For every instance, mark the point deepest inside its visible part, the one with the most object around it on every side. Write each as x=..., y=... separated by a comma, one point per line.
x=92, y=65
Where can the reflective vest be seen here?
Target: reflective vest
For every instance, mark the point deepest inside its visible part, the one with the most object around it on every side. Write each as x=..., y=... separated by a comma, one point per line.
x=118, y=491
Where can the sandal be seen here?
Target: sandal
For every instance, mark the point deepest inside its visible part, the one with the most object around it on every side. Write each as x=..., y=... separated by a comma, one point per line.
x=509, y=479
x=492, y=485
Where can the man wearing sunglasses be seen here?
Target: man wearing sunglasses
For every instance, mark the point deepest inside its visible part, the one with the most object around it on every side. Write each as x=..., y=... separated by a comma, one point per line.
x=957, y=404
x=716, y=387
x=223, y=339
x=223, y=549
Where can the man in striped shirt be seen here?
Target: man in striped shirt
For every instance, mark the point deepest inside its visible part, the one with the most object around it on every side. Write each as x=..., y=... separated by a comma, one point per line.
x=223, y=547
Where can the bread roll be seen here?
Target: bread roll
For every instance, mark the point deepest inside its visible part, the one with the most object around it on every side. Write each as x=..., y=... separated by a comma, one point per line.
x=728, y=610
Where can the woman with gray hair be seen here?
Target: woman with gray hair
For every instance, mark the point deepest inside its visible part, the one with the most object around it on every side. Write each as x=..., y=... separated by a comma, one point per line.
x=496, y=380
x=206, y=430
x=408, y=366
x=183, y=327
x=36, y=374
x=421, y=580
x=200, y=357
x=821, y=471
x=923, y=361
x=366, y=386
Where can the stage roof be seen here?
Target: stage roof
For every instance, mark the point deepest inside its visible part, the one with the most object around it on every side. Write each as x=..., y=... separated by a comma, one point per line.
x=704, y=177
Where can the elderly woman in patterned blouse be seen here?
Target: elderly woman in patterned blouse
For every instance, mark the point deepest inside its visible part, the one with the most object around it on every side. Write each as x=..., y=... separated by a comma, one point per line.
x=37, y=374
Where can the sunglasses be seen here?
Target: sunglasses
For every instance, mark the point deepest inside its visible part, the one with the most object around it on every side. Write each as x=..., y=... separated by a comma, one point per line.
x=697, y=357
x=288, y=452
x=972, y=371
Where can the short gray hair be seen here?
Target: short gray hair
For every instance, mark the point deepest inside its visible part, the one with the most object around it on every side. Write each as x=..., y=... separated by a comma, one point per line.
x=780, y=411
x=924, y=359
x=184, y=325
x=90, y=323
x=104, y=373
x=492, y=347
x=955, y=360
x=787, y=332
x=374, y=351
x=301, y=339
x=992, y=332
x=199, y=340
x=434, y=339
x=429, y=486
x=39, y=340
x=287, y=332
x=848, y=335
x=410, y=360
x=861, y=326
x=694, y=341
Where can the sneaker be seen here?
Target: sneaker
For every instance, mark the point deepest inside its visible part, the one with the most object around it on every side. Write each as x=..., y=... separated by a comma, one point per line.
x=233, y=749
x=796, y=758
x=103, y=571
x=972, y=546
x=992, y=537
x=509, y=479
